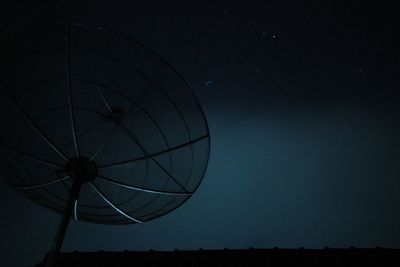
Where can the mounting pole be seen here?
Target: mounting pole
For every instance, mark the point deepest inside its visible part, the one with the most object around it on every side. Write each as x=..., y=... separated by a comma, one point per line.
x=63, y=225
x=81, y=170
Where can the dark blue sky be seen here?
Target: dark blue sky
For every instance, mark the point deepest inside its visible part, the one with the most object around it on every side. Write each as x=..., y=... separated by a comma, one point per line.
x=302, y=102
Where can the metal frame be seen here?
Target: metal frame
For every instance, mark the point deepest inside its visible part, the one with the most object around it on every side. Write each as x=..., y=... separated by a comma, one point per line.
x=71, y=208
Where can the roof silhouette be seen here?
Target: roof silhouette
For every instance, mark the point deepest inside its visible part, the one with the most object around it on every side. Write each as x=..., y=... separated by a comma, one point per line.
x=250, y=257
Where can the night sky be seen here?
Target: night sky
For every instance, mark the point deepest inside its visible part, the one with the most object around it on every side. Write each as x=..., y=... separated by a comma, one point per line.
x=302, y=100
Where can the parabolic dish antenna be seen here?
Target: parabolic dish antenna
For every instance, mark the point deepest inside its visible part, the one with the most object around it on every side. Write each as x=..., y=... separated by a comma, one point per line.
x=97, y=126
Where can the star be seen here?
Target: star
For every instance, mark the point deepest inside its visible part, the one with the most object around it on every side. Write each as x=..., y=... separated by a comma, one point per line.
x=209, y=82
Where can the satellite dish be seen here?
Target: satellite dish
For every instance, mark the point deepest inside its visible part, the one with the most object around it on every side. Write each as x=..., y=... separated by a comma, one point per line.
x=98, y=126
